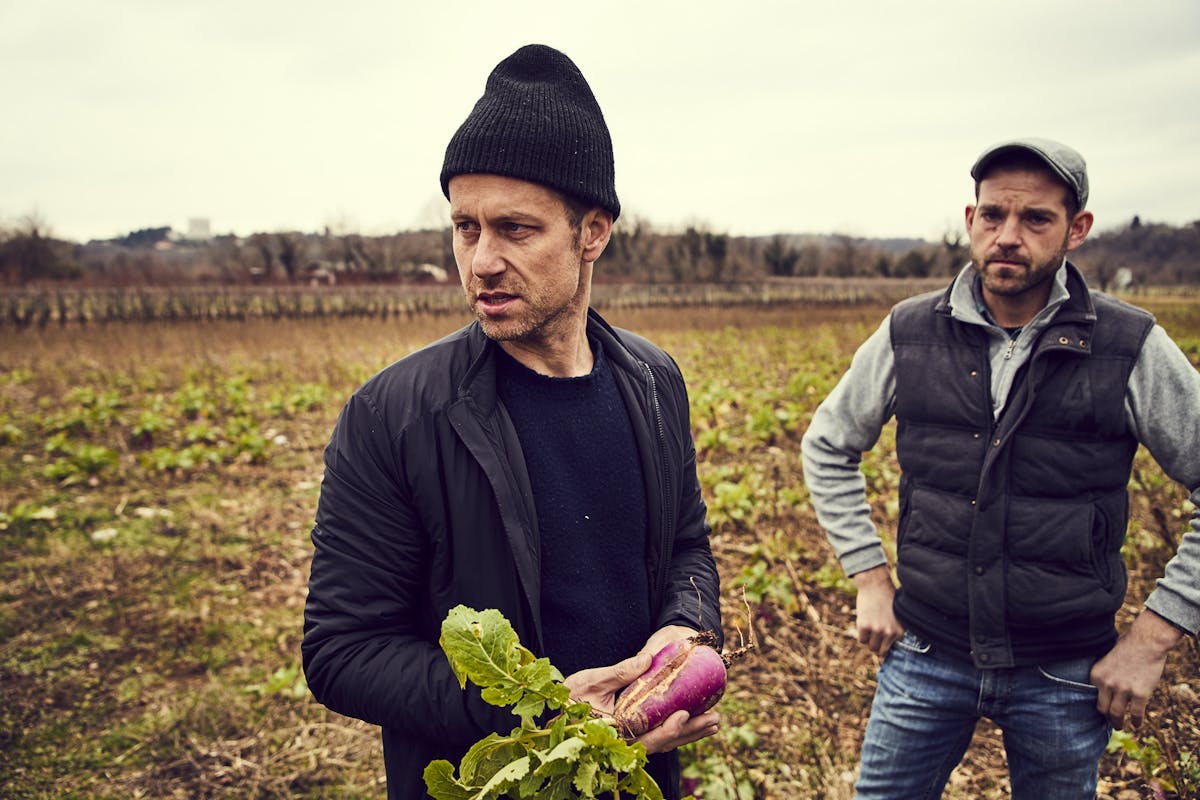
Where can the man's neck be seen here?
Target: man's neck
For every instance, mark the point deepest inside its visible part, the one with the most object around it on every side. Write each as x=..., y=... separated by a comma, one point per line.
x=1015, y=311
x=563, y=352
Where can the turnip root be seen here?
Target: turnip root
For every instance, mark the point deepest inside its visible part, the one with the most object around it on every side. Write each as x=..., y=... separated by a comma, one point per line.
x=686, y=674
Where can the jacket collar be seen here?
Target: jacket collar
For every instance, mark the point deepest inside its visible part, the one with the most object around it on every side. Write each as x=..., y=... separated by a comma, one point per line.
x=479, y=381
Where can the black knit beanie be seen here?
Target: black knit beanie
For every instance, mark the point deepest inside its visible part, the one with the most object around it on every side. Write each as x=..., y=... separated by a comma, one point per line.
x=538, y=121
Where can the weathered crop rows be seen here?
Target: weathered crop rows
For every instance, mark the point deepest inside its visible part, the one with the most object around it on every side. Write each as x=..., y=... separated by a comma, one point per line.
x=38, y=308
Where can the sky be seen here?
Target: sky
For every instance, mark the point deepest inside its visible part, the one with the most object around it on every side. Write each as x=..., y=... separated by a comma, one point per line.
x=748, y=118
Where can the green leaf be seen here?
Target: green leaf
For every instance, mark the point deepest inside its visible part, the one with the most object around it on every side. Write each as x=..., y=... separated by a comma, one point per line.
x=440, y=782
x=487, y=757
x=566, y=752
x=504, y=695
x=482, y=646
x=531, y=785
x=558, y=731
x=585, y=778
x=623, y=756
x=510, y=774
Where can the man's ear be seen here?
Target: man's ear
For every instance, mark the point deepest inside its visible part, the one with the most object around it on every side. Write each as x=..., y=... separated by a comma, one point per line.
x=1079, y=229
x=595, y=231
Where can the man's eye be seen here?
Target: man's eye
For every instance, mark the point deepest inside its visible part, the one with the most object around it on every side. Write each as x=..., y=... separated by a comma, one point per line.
x=464, y=226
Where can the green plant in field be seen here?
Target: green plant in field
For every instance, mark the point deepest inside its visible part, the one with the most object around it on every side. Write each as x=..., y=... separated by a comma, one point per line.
x=762, y=584
x=765, y=424
x=239, y=425
x=80, y=462
x=732, y=502
x=73, y=421
x=10, y=433
x=713, y=778
x=250, y=446
x=1180, y=777
x=201, y=432
x=304, y=397
x=712, y=768
x=26, y=518
x=18, y=377
x=832, y=576
x=287, y=681
x=170, y=459
x=194, y=401
x=150, y=425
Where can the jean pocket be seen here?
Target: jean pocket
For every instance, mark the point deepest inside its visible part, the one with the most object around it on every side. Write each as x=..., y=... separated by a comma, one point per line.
x=1071, y=674
x=912, y=643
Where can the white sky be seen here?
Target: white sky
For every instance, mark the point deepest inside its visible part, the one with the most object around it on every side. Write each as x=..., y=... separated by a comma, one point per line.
x=748, y=118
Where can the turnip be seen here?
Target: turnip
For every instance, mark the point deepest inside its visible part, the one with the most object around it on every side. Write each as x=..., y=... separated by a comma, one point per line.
x=686, y=674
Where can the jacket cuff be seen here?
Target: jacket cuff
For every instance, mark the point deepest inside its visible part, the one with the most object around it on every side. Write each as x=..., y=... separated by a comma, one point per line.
x=1175, y=610
x=863, y=560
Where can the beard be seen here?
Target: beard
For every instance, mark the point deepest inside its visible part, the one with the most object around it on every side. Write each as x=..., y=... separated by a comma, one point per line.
x=536, y=315
x=1019, y=274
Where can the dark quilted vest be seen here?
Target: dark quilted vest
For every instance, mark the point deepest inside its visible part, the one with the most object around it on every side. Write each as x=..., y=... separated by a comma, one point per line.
x=1010, y=531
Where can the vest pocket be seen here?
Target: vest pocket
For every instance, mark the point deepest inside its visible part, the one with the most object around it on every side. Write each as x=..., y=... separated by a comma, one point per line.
x=932, y=549
x=1059, y=562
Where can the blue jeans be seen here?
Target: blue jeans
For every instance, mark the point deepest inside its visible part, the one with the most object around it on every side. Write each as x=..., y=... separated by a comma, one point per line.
x=924, y=715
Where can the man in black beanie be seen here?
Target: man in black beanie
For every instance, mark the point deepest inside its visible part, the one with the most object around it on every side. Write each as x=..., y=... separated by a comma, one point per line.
x=538, y=461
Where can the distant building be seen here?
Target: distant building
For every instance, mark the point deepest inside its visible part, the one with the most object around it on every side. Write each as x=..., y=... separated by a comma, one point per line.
x=199, y=229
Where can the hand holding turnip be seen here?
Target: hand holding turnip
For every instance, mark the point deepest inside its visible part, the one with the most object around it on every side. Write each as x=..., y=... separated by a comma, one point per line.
x=599, y=687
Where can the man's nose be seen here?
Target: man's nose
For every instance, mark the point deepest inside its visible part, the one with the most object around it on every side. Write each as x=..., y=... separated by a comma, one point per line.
x=1009, y=234
x=488, y=258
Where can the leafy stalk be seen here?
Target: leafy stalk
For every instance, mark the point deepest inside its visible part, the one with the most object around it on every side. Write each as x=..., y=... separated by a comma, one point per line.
x=572, y=755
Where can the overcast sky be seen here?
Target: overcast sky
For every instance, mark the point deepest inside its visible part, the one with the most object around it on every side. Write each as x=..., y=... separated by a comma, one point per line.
x=747, y=118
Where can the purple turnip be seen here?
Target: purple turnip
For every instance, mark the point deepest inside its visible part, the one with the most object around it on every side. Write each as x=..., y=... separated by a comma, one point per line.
x=686, y=674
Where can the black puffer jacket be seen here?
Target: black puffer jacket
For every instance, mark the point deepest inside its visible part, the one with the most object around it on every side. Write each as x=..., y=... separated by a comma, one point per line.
x=425, y=504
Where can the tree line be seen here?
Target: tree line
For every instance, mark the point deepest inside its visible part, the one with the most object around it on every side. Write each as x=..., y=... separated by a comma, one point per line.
x=1137, y=253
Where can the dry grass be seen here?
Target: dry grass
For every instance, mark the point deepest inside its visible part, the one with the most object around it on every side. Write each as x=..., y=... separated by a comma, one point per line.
x=163, y=662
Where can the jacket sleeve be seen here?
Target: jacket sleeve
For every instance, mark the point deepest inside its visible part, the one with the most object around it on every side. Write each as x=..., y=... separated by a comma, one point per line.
x=364, y=651
x=693, y=587
x=1163, y=403
x=844, y=426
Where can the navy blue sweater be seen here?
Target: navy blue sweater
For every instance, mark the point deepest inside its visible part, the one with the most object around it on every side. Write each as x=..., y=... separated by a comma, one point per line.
x=590, y=498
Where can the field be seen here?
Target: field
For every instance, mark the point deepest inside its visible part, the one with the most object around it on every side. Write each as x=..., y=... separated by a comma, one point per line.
x=158, y=483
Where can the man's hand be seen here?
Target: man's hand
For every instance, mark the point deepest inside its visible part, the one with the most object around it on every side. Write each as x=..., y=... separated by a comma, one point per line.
x=680, y=729
x=1128, y=674
x=601, y=685
x=877, y=625
x=663, y=636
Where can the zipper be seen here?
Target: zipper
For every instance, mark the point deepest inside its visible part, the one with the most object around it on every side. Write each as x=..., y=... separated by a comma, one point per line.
x=665, y=554
x=1012, y=345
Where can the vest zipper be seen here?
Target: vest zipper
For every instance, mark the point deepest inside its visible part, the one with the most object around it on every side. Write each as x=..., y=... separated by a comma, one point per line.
x=1012, y=345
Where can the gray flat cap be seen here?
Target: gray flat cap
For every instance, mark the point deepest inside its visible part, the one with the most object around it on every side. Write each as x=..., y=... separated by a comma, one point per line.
x=1063, y=160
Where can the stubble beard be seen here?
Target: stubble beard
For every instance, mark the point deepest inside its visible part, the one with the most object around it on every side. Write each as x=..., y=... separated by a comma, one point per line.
x=1012, y=285
x=537, y=321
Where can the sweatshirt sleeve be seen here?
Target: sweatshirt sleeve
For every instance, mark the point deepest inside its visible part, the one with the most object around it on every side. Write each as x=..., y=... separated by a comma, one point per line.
x=1163, y=405
x=846, y=424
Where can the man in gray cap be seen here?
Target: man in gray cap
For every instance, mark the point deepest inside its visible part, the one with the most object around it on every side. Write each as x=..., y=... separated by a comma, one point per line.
x=538, y=461
x=1020, y=396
